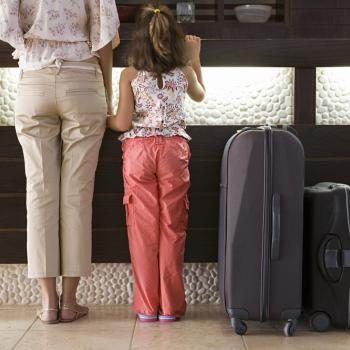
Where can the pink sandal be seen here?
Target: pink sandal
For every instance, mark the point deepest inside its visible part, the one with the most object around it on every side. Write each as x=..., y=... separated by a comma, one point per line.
x=147, y=318
x=168, y=318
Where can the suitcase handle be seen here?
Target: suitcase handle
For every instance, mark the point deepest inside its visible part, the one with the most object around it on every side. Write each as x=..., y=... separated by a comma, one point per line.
x=335, y=258
x=329, y=257
x=276, y=226
x=346, y=258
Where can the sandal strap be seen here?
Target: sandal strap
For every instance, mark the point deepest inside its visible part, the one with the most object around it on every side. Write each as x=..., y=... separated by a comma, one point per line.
x=77, y=314
x=70, y=307
x=47, y=310
x=41, y=312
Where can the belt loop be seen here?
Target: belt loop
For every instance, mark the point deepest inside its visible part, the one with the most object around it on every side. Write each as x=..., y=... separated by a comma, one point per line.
x=58, y=63
x=95, y=72
x=21, y=74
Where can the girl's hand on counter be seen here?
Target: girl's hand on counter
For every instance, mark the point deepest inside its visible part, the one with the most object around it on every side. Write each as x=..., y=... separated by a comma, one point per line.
x=193, y=44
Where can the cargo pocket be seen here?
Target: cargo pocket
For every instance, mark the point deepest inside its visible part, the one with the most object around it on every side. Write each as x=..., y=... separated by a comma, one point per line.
x=185, y=213
x=129, y=209
x=187, y=203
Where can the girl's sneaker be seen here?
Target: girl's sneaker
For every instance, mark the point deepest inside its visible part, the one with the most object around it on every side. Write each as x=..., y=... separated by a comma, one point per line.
x=147, y=318
x=167, y=318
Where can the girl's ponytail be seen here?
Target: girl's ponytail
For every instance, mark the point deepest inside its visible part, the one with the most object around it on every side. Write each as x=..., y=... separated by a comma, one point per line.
x=160, y=34
x=159, y=42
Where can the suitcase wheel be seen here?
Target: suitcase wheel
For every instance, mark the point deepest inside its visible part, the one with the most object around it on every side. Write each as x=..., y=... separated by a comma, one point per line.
x=290, y=328
x=320, y=321
x=239, y=326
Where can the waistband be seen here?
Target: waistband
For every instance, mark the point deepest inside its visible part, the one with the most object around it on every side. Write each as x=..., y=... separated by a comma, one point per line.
x=69, y=65
x=59, y=64
x=159, y=139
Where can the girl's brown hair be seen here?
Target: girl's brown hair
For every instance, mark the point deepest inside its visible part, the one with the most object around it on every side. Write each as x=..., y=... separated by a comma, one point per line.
x=159, y=42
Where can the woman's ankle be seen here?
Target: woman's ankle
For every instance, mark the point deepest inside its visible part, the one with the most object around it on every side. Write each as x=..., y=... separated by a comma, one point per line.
x=68, y=300
x=69, y=290
x=49, y=296
x=49, y=301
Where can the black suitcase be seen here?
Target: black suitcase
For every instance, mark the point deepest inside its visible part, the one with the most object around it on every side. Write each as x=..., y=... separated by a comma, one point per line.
x=327, y=256
x=261, y=227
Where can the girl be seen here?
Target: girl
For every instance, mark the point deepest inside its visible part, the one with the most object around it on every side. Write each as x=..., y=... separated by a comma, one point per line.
x=156, y=156
x=64, y=49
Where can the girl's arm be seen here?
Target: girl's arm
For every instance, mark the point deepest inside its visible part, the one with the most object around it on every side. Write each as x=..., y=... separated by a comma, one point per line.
x=122, y=121
x=106, y=63
x=196, y=87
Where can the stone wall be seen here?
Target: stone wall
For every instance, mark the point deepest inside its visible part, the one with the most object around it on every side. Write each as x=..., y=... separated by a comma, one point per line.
x=234, y=96
x=333, y=96
x=108, y=284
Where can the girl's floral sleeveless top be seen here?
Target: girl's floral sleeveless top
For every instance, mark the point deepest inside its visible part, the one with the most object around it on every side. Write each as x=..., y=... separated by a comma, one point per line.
x=159, y=111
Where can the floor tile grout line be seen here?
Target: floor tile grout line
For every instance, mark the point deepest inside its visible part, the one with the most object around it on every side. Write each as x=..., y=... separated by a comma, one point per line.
x=24, y=334
x=244, y=343
x=132, y=334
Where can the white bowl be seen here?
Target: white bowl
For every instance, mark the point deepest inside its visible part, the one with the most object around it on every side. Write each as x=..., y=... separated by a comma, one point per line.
x=253, y=13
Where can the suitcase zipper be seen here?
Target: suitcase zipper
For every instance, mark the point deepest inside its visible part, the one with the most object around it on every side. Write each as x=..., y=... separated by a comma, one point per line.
x=349, y=310
x=266, y=231
x=346, y=188
x=346, y=191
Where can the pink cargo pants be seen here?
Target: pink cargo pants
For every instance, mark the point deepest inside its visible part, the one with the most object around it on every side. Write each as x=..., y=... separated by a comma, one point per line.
x=156, y=181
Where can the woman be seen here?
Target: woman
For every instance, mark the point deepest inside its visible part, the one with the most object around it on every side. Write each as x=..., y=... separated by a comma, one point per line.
x=64, y=49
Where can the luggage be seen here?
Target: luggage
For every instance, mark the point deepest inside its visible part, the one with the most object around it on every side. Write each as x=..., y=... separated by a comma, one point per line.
x=327, y=256
x=261, y=227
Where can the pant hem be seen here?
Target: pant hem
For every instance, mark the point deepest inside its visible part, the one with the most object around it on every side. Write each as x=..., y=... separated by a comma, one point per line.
x=57, y=274
x=145, y=312
x=43, y=275
x=76, y=274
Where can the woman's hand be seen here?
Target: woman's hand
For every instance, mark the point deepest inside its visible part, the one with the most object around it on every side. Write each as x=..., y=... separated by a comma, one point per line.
x=110, y=108
x=110, y=121
x=193, y=44
x=116, y=41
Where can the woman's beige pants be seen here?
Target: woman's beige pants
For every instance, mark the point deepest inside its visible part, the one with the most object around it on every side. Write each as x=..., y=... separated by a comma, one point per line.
x=60, y=122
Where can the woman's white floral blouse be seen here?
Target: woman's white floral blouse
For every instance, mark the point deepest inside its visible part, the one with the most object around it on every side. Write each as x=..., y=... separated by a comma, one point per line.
x=46, y=31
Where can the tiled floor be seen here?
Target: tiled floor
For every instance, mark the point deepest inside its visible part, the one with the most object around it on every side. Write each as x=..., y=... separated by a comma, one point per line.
x=115, y=327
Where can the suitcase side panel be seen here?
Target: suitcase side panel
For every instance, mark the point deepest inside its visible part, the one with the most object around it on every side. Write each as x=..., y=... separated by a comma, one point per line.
x=288, y=183
x=244, y=225
x=223, y=217
x=326, y=217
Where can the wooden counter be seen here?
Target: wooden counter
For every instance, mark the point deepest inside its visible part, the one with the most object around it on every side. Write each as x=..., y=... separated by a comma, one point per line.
x=327, y=151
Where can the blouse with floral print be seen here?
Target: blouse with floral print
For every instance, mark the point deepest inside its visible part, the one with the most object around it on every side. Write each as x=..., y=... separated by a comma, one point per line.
x=44, y=32
x=159, y=111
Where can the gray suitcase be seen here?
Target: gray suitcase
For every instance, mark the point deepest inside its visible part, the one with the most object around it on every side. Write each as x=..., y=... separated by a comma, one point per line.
x=261, y=227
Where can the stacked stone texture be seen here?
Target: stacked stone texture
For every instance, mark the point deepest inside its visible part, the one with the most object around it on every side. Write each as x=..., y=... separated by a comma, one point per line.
x=234, y=96
x=109, y=284
x=333, y=96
